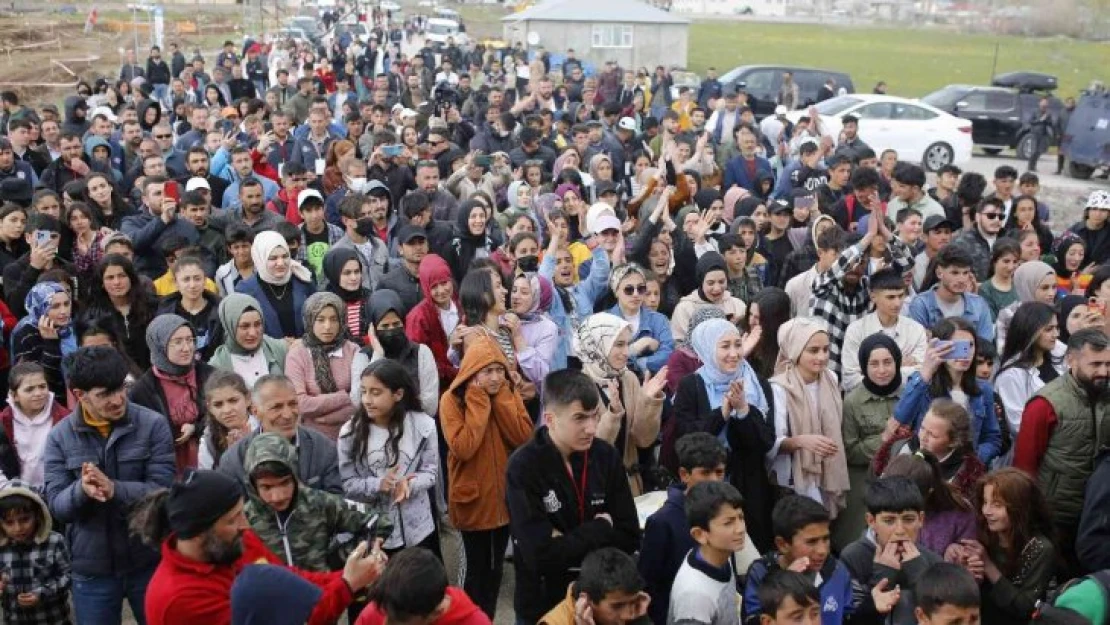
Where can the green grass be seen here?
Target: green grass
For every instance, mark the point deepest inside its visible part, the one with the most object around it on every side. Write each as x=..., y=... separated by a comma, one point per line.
x=913, y=62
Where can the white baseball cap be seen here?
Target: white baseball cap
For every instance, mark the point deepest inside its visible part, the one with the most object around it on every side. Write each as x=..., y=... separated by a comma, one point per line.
x=780, y=110
x=1099, y=199
x=105, y=111
x=627, y=123
x=307, y=193
x=197, y=183
x=606, y=222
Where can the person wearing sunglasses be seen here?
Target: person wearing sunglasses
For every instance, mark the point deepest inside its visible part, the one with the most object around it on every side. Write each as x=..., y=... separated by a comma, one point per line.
x=651, y=343
x=987, y=219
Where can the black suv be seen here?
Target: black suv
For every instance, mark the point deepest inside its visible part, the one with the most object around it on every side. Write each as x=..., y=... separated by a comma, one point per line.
x=762, y=83
x=1000, y=114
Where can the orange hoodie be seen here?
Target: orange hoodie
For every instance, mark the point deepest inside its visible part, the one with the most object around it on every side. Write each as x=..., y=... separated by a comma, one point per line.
x=481, y=431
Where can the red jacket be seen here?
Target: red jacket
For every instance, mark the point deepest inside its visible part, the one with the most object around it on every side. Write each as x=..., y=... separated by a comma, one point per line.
x=462, y=612
x=187, y=592
x=262, y=167
x=422, y=324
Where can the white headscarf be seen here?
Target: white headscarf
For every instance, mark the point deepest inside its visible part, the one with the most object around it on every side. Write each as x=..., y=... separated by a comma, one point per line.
x=264, y=244
x=594, y=340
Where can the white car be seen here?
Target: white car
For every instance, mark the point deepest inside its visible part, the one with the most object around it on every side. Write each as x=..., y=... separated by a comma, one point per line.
x=919, y=132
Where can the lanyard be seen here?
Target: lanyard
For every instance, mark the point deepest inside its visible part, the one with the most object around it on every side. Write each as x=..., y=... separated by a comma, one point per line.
x=580, y=488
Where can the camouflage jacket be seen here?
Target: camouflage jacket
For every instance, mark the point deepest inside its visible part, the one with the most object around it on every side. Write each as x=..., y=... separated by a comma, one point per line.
x=320, y=529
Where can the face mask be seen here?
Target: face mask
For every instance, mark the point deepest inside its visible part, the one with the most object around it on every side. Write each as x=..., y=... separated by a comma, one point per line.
x=357, y=185
x=393, y=341
x=528, y=263
x=365, y=227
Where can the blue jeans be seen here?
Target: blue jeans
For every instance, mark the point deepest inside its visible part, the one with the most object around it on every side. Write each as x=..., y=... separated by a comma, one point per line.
x=99, y=600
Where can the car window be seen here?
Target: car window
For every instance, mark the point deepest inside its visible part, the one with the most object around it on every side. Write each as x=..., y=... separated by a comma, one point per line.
x=760, y=81
x=877, y=110
x=836, y=106
x=999, y=101
x=945, y=98
x=911, y=112
x=975, y=101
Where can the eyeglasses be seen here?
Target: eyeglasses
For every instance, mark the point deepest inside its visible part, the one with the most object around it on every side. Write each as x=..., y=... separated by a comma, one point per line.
x=635, y=288
x=992, y=215
x=187, y=341
x=163, y=136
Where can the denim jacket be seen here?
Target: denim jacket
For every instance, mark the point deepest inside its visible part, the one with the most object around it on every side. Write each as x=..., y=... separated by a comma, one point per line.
x=585, y=294
x=651, y=325
x=915, y=400
x=924, y=310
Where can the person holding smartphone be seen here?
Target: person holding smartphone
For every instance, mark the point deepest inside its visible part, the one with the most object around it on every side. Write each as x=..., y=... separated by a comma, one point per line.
x=157, y=219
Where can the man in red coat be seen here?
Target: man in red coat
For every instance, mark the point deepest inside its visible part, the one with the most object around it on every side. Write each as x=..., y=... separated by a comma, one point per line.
x=206, y=541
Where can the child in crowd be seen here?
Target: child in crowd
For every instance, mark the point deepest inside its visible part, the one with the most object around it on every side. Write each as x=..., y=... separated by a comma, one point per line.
x=946, y=595
x=24, y=425
x=889, y=555
x=608, y=591
x=802, y=544
x=667, y=539
x=986, y=365
x=789, y=598
x=704, y=591
x=949, y=517
x=228, y=402
x=413, y=588
x=34, y=588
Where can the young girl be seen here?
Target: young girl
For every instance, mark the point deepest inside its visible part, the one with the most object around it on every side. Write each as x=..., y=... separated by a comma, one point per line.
x=1071, y=276
x=388, y=452
x=1024, y=218
x=949, y=517
x=227, y=402
x=998, y=290
x=1030, y=244
x=1013, y=558
x=31, y=413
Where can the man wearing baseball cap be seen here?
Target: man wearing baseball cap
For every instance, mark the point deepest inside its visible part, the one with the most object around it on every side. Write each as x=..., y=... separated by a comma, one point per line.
x=936, y=233
x=1092, y=228
x=205, y=541
x=404, y=276
x=317, y=235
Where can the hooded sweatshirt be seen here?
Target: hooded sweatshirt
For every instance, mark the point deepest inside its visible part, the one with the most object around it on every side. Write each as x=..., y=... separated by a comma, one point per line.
x=40, y=565
x=424, y=323
x=73, y=124
x=462, y=611
x=318, y=529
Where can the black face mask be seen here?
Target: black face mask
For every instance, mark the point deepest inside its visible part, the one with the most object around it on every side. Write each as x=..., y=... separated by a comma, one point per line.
x=365, y=227
x=393, y=341
x=528, y=263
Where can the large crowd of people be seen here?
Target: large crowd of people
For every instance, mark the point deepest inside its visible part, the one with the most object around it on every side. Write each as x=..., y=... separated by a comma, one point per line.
x=278, y=326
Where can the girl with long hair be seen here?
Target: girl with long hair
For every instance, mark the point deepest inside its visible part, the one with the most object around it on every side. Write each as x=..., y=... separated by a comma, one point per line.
x=998, y=288
x=1024, y=216
x=946, y=433
x=388, y=454
x=104, y=198
x=84, y=230
x=227, y=407
x=120, y=295
x=770, y=308
x=949, y=517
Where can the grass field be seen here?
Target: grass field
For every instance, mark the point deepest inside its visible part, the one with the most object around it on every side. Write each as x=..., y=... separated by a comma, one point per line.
x=913, y=61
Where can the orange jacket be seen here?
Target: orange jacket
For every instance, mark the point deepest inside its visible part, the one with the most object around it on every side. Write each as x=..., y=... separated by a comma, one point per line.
x=481, y=431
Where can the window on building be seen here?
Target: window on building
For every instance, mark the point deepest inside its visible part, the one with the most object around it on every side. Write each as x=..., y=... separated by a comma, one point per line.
x=612, y=36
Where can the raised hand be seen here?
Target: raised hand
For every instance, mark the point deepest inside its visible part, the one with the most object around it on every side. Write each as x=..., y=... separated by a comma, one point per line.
x=655, y=384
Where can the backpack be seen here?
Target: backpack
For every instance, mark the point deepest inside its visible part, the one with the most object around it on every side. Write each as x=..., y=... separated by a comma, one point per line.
x=1049, y=614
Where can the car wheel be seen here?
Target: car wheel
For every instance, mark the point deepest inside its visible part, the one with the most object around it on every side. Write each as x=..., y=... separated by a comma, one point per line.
x=1081, y=172
x=938, y=155
x=1025, y=147
x=992, y=151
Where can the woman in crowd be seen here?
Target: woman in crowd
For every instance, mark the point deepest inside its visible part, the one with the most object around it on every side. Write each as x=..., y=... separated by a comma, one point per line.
x=280, y=285
x=343, y=275
x=631, y=411
x=483, y=304
x=712, y=290
x=483, y=420
x=651, y=343
x=684, y=360
x=725, y=397
x=320, y=365
x=436, y=317
x=1034, y=281
x=998, y=289
x=529, y=301
x=45, y=336
x=247, y=350
x=471, y=241
x=949, y=517
x=1075, y=314
x=13, y=222
x=196, y=304
x=388, y=339
x=1014, y=557
x=1033, y=357
x=1024, y=217
x=867, y=409
x=808, y=452
x=1030, y=244
x=942, y=376
x=174, y=385
x=388, y=454
x=120, y=295
x=86, y=249
x=769, y=310
x=32, y=411
x=1071, y=276
x=109, y=205
x=227, y=418
x=945, y=432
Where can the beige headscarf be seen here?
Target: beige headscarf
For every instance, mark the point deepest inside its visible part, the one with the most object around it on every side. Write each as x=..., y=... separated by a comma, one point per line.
x=829, y=474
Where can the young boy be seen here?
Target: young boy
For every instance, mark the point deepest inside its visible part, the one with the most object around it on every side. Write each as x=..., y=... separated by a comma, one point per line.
x=608, y=591
x=667, y=538
x=34, y=588
x=789, y=598
x=802, y=544
x=704, y=591
x=413, y=589
x=172, y=248
x=241, y=266
x=747, y=268
x=888, y=555
x=317, y=235
x=946, y=595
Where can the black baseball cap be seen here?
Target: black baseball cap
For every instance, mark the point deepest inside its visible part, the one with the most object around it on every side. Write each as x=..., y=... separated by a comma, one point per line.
x=937, y=221
x=410, y=232
x=605, y=186
x=779, y=206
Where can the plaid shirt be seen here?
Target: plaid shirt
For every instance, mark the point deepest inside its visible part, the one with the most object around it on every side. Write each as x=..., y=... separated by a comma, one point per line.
x=42, y=568
x=839, y=307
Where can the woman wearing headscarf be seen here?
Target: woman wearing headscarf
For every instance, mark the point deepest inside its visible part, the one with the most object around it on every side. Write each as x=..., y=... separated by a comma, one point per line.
x=808, y=454
x=1034, y=281
x=343, y=275
x=712, y=290
x=46, y=334
x=684, y=360
x=530, y=299
x=631, y=412
x=1075, y=315
x=519, y=197
x=652, y=342
x=435, y=318
x=867, y=408
x=388, y=338
x=471, y=240
x=174, y=384
x=247, y=350
x=726, y=398
x=280, y=285
x=320, y=366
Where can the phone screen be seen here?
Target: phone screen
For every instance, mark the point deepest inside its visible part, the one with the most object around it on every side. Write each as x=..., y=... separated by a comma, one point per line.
x=171, y=191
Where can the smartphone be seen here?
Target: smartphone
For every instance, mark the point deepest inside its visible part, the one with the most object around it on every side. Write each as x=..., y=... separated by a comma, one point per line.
x=42, y=237
x=171, y=191
x=227, y=126
x=961, y=350
x=805, y=201
x=392, y=151
x=483, y=160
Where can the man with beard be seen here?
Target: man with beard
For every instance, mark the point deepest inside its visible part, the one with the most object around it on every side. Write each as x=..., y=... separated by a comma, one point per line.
x=100, y=460
x=130, y=137
x=251, y=207
x=197, y=162
x=1063, y=428
x=206, y=541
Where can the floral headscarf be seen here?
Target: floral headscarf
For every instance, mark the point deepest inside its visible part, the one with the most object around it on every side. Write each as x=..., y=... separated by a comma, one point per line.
x=594, y=340
x=37, y=303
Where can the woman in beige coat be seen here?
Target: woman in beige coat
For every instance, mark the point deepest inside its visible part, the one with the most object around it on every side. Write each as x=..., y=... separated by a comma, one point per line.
x=630, y=410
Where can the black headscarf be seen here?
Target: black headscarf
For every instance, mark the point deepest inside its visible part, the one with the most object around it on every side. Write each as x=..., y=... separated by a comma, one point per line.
x=709, y=261
x=1068, y=304
x=869, y=345
x=334, y=261
x=705, y=198
x=395, y=345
